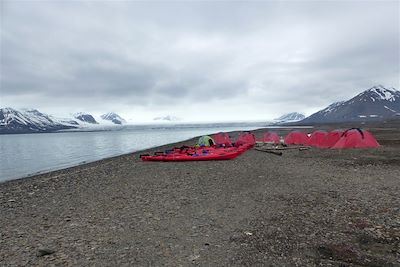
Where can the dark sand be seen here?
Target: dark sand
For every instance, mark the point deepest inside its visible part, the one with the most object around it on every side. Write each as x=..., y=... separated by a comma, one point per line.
x=306, y=208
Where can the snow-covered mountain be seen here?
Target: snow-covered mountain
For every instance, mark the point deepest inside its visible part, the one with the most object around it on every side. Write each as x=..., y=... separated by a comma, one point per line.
x=113, y=117
x=28, y=121
x=85, y=117
x=34, y=121
x=290, y=117
x=167, y=118
x=375, y=103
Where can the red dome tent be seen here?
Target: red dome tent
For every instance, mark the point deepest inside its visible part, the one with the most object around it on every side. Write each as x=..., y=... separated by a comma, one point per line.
x=270, y=137
x=222, y=139
x=248, y=139
x=296, y=138
x=331, y=138
x=317, y=138
x=356, y=138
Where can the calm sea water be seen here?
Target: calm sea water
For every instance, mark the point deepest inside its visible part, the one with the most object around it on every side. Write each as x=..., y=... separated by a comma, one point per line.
x=26, y=154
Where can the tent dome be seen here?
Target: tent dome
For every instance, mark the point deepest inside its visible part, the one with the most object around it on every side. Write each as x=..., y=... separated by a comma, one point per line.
x=331, y=138
x=246, y=138
x=222, y=139
x=205, y=141
x=356, y=138
x=270, y=137
x=317, y=138
x=296, y=138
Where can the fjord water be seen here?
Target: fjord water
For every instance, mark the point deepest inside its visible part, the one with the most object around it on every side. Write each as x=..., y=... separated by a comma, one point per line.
x=26, y=154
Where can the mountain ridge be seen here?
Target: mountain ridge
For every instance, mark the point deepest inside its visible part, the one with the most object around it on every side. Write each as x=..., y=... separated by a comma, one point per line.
x=85, y=117
x=28, y=121
x=14, y=121
x=375, y=103
x=290, y=117
x=113, y=117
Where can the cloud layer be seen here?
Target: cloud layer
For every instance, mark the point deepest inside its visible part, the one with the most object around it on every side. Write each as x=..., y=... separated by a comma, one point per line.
x=198, y=60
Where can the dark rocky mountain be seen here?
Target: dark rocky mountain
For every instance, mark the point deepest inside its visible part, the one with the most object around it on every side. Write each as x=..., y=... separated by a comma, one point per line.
x=85, y=117
x=376, y=103
x=113, y=117
x=28, y=121
x=290, y=117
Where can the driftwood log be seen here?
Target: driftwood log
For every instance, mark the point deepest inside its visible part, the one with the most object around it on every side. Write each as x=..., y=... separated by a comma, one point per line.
x=285, y=148
x=270, y=151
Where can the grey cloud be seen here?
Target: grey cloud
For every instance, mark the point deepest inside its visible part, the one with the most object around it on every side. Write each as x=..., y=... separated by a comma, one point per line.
x=168, y=54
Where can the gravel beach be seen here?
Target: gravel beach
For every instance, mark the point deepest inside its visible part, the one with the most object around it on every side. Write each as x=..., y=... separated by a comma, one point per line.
x=304, y=208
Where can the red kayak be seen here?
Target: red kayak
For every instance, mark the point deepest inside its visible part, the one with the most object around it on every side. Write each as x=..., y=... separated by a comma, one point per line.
x=219, y=152
x=195, y=154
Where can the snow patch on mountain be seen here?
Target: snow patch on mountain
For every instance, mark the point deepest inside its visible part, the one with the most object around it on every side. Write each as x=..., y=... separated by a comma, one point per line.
x=290, y=117
x=390, y=109
x=383, y=93
x=167, y=118
x=332, y=107
x=85, y=117
x=113, y=117
x=65, y=121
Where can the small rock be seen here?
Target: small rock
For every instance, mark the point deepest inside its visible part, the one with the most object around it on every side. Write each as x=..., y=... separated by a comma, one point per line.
x=44, y=251
x=194, y=257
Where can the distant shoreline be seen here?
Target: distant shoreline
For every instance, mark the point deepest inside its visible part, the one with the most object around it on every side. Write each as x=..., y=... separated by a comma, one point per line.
x=68, y=166
x=166, y=146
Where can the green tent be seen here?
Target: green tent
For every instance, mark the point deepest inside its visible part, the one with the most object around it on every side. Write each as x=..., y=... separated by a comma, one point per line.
x=205, y=141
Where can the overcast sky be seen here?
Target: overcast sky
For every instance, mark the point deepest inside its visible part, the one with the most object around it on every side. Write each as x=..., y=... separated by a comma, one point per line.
x=197, y=61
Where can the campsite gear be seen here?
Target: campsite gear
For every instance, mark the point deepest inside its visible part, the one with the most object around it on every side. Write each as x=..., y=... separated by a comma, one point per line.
x=281, y=140
x=195, y=154
x=205, y=141
x=331, y=139
x=296, y=138
x=317, y=138
x=356, y=138
x=222, y=139
x=270, y=137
